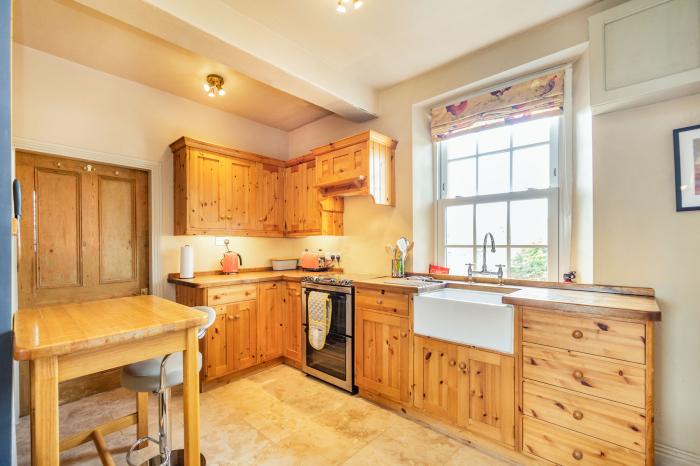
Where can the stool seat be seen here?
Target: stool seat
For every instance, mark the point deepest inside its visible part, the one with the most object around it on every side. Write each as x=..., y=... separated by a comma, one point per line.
x=144, y=376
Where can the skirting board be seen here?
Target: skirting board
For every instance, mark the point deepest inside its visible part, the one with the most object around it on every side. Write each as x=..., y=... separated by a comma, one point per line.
x=666, y=455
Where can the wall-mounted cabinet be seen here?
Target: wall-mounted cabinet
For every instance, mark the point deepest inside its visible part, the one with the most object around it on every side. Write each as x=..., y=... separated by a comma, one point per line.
x=359, y=165
x=223, y=191
x=644, y=51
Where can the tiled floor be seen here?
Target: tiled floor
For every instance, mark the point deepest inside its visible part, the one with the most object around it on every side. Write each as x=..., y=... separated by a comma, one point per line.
x=276, y=417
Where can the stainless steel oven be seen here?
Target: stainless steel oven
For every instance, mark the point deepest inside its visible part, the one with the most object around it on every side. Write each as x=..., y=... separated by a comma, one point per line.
x=334, y=363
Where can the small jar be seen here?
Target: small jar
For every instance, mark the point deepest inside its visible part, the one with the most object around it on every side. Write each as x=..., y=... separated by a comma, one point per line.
x=397, y=268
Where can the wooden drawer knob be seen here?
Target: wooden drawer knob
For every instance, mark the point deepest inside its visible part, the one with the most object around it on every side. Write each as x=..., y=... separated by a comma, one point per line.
x=405, y=334
x=578, y=374
x=577, y=454
x=379, y=301
x=578, y=415
x=452, y=362
x=578, y=334
x=463, y=365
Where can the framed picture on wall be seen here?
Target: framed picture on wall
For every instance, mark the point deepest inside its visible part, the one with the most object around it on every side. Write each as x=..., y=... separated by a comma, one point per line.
x=686, y=150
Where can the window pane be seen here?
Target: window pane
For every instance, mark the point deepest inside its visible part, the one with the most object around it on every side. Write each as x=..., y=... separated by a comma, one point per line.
x=494, y=139
x=528, y=222
x=461, y=178
x=492, y=258
x=461, y=146
x=459, y=224
x=491, y=217
x=531, y=132
x=531, y=168
x=494, y=173
x=456, y=258
x=528, y=263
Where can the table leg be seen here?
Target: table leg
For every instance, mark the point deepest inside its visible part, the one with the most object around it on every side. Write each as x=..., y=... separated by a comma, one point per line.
x=44, y=411
x=190, y=398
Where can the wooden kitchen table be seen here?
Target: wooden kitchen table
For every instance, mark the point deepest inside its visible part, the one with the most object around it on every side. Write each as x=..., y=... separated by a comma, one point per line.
x=66, y=341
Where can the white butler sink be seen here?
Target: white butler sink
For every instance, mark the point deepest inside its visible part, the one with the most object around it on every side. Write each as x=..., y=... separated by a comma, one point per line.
x=475, y=318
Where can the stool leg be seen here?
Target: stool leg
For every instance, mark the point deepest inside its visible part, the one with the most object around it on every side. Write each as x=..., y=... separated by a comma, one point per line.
x=164, y=423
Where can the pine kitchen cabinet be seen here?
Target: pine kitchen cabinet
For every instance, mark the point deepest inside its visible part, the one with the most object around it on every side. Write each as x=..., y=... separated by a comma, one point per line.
x=292, y=323
x=358, y=165
x=382, y=349
x=223, y=191
x=271, y=307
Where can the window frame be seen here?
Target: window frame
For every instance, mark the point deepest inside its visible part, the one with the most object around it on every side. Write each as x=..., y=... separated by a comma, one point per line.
x=552, y=194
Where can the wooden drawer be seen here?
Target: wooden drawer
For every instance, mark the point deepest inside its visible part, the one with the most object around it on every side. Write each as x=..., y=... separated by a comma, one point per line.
x=231, y=294
x=617, y=423
x=611, y=338
x=605, y=378
x=382, y=300
x=565, y=447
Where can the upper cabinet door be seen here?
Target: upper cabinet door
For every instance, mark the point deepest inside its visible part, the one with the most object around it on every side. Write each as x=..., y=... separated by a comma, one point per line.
x=312, y=199
x=207, y=191
x=269, y=195
x=240, y=202
x=346, y=165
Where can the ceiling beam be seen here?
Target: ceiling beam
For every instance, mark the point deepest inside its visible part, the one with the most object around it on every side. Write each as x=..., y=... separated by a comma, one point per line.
x=213, y=29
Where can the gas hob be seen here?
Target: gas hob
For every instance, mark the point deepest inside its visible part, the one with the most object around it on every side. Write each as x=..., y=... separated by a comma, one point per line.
x=326, y=280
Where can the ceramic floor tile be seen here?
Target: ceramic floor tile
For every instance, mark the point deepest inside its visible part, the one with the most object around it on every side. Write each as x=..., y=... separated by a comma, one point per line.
x=276, y=417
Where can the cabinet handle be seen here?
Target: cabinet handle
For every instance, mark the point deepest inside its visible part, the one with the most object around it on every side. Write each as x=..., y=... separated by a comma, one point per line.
x=578, y=415
x=463, y=365
x=577, y=454
x=578, y=334
x=405, y=334
x=452, y=362
x=578, y=374
x=379, y=301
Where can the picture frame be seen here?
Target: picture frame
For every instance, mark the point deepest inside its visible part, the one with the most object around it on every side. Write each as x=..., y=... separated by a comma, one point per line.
x=686, y=153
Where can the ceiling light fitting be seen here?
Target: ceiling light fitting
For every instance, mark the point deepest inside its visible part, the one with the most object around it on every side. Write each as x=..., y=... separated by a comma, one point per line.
x=214, y=85
x=341, y=8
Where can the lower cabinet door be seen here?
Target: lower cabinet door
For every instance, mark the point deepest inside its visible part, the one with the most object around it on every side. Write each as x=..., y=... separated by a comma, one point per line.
x=270, y=320
x=381, y=354
x=217, y=354
x=242, y=334
x=435, y=378
x=486, y=394
x=292, y=322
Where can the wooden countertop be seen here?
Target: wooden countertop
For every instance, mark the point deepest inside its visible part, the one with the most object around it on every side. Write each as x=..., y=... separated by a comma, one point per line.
x=589, y=302
x=620, y=302
x=60, y=329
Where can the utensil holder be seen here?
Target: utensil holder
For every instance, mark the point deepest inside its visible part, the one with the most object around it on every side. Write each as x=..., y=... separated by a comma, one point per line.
x=397, y=268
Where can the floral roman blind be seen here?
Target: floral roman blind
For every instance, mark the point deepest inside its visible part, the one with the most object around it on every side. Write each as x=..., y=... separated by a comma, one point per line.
x=527, y=100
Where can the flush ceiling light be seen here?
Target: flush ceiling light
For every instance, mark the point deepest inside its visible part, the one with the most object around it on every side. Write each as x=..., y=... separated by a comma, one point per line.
x=214, y=85
x=341, y=8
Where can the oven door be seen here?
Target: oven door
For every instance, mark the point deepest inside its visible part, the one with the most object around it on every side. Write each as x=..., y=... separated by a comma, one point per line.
x=333, y=363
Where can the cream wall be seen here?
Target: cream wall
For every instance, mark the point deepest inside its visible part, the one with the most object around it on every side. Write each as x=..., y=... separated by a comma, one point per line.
x=65, y=104
x=640, y=239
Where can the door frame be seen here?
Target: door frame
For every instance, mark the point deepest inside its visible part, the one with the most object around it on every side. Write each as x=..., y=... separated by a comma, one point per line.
x=155, y=181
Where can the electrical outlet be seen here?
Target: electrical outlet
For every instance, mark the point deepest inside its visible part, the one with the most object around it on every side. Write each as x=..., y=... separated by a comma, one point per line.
x=337, y=256
x=219, y=240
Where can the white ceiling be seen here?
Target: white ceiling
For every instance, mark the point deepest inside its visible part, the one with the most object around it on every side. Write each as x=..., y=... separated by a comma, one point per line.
x=388, y=41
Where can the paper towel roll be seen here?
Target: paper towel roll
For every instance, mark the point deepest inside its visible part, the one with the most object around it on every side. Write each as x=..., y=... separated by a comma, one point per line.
x=186, y=262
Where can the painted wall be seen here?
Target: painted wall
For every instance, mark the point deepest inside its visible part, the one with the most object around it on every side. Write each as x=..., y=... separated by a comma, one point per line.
x=64, y=103
x=641, y=240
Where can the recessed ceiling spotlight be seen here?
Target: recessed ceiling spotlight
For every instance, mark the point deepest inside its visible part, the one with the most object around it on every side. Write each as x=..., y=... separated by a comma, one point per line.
x=214, y=85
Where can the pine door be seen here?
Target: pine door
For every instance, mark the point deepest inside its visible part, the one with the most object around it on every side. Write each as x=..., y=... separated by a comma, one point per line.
x=270, y=320
x=219, y=354
x=487, y=393
x=241, y=334
x=270, y=203
x=207, y=188
x=435, y=377
x=381, y=354
x=292, y=322
x=240, y=202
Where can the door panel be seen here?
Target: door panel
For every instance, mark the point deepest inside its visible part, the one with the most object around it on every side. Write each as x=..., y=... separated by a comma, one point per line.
x=381, y=354
x=269, y=193
x=486, y=393
x=208, y=175
x=240, y=206
x=435, y=377
x=117, y=201
x=58, y=229
x=219, y=358
x=242, y=334
x=270, y=321
x=292, y=322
